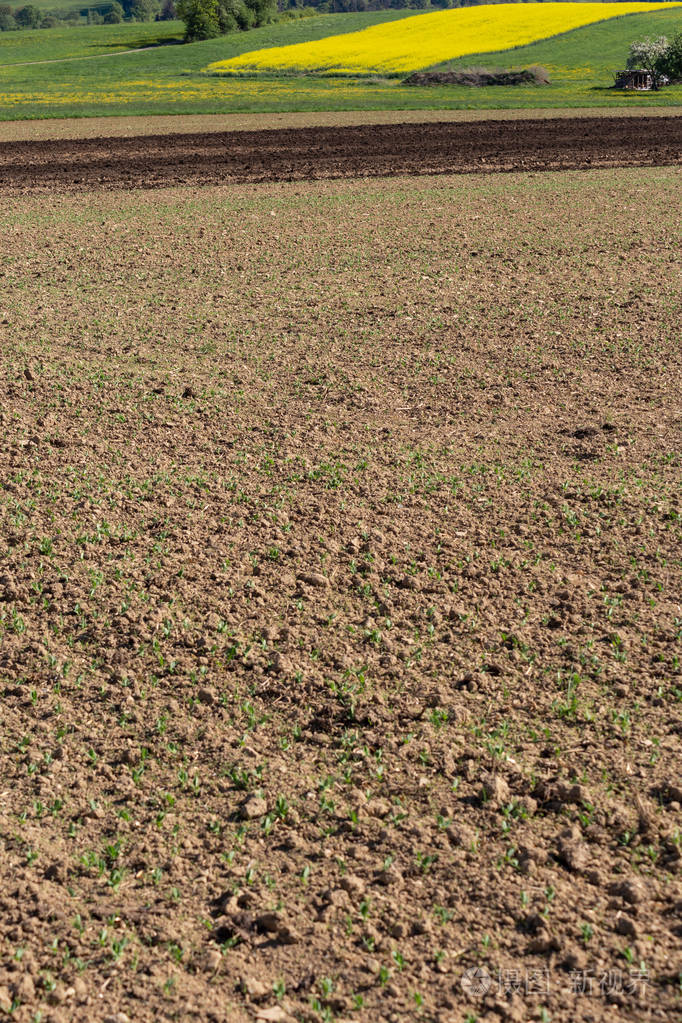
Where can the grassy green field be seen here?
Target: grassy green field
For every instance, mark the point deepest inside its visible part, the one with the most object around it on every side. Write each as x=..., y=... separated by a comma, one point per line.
x=84, y=40
x=590, y=52
x=170, y=79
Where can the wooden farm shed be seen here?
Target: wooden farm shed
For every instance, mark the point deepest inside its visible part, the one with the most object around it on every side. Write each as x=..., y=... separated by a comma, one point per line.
x=637, y=79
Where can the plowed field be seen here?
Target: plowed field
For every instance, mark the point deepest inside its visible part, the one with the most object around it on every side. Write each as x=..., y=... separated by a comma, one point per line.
x=362, y=151
x=340, y=575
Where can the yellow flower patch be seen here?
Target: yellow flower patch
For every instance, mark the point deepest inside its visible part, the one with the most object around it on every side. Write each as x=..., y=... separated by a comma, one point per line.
x=424, y=40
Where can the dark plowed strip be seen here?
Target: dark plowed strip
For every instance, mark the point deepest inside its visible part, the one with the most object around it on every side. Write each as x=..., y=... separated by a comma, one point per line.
x=362, y=151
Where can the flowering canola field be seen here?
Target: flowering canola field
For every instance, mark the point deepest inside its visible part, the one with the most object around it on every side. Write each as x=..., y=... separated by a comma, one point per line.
x=412, y=44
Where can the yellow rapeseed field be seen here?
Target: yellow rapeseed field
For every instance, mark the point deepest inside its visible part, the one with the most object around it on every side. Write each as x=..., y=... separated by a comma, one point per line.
x=427, y=39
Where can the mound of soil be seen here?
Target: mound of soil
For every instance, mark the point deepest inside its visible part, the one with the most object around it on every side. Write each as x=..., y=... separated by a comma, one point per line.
x=480, y=76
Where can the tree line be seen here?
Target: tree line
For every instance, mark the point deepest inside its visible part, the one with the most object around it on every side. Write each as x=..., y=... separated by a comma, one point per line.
x=113, y=13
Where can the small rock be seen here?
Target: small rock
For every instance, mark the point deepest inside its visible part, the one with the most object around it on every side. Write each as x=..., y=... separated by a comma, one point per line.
x=630, y=891
x=188, y=393
x=579, y=795
x=408, y=582
x=255, y=806
x=275, y=1014
x=5, y=999
x=528, y=804
x=575, y=855
x=575, y=960
x=533, y=853
x=287, y=934
x=254, y=988
x=513, y=1011
x=494, y=789
x=210, y=961
x=117, y=1017
x=268, y=922
x=625, y=925
x=56, y=872
x=80, y=989
x=206, y=696
x=534, y=922
x=57, y=995
x=314, y=579
x=352, y=884
x=461, y=836
x=336, y=897
x=24, y=989
x=282, y=664
x=378, y=808
x=543, y=943
x=388, y=877
x=645, y=816
x=28, y=373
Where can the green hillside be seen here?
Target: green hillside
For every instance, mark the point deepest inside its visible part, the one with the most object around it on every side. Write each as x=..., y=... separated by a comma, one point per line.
x=169, y=79
x=84, y=40
x=594, y=50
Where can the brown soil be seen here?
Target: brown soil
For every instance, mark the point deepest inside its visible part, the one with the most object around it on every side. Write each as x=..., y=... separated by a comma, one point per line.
x=176, y=124
x=478, y=77
x=359, y=151
x=340, y=574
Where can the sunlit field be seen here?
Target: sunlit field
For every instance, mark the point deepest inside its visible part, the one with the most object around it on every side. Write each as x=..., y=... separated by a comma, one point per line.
x=428, y=39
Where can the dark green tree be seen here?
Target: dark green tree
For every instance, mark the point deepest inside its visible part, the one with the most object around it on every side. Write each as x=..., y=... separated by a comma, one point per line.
x=671, y=61
x=263, y=10
x=7, y=22
x=143, y=10
x=200, y=18
x=114, y=14
x=28, y=17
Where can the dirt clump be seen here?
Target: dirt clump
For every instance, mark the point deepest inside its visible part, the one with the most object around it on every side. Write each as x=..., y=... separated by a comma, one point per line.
x=479, y=77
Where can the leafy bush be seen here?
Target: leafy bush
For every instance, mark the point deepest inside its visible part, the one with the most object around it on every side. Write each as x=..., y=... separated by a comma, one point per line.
x=7, y=20
x=114, y=15
x=200, y=18
x=28, y=17
x=660, y=57
x=206, y=19
x=143, y=10
x=671, y=61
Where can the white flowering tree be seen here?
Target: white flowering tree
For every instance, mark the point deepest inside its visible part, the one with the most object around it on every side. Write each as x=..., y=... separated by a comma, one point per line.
x=650, y=55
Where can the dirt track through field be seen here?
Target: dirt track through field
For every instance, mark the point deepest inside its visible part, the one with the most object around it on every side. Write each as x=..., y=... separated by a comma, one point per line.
x=362, y=151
